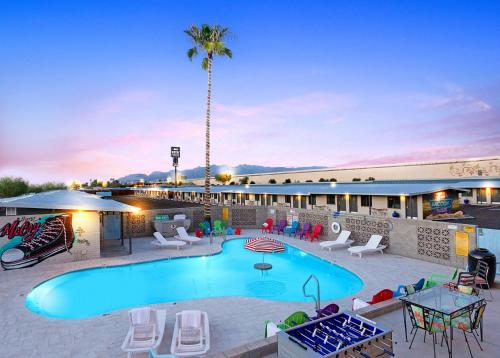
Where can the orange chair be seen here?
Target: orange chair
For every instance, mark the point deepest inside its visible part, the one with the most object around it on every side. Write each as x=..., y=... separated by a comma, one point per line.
x=314, y=234
x=267, y=228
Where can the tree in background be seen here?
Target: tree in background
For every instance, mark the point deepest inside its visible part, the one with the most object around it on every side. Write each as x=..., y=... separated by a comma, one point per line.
x=272, y=181
x=75, y=185
x=356, y=179
x=223, y=177
x=244, y=180
x=370, y=179
x=10, y=186
x=322, y=180
x=287, y=181
x=333, y=180
x=209, y=40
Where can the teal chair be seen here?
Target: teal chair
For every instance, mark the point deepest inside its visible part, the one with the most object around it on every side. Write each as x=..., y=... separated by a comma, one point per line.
x=292, y=229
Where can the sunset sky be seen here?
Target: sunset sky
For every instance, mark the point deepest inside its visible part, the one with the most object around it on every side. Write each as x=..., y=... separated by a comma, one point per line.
x=100, y=89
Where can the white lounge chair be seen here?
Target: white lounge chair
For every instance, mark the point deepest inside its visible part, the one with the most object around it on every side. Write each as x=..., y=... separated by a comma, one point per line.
x=342, y=241
x=162, y=242
x=191, y=334
x=373, y=245
x=184, y=236
x=146, y=330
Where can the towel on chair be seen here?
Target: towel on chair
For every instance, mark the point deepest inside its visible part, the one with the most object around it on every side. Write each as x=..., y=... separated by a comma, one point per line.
x=191, y=319
x=140, y=315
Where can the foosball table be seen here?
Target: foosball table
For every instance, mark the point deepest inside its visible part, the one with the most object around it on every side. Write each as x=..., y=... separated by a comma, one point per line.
x=341, y=335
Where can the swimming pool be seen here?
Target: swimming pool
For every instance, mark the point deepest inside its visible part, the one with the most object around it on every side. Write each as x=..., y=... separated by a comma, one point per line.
x=96, y=291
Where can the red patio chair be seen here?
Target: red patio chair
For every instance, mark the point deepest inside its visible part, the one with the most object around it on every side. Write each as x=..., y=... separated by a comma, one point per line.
x=269, y=227
x=237, y=231
x=314, y=234
x=383, y=295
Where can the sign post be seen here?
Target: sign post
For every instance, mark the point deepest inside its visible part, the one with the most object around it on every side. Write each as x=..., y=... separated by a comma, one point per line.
x=175, y=153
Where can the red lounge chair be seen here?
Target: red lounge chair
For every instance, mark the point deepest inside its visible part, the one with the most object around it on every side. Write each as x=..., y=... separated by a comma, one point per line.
x=314, y=233
x=383, y=295
x=268, y=228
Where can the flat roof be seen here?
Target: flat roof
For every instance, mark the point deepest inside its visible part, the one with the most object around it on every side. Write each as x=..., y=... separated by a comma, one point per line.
x=381, y=188
x=66, y=200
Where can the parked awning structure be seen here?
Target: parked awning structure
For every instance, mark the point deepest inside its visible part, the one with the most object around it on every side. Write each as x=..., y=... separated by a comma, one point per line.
x=66, y=200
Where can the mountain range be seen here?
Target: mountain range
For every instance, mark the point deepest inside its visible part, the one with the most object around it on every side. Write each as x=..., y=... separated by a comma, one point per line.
x=199, y=172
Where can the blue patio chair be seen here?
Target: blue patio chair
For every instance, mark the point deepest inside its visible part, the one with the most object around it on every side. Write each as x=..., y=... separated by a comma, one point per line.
x=292, y=229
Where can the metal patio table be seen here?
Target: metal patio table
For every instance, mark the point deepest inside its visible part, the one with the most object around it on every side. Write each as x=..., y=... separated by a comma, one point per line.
x=443, y=300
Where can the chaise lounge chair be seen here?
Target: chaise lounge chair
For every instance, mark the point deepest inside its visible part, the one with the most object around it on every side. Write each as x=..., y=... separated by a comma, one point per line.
x=373, y=245
x=191, y=334
x=342, y=241
x=162, y=242
x=146, y=330
x=184, y=236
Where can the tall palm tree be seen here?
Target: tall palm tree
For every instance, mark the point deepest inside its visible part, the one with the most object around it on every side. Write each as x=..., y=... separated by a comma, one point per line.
x=209, y=40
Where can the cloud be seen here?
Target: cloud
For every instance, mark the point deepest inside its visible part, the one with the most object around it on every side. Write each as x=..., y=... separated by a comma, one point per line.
x=455, y=99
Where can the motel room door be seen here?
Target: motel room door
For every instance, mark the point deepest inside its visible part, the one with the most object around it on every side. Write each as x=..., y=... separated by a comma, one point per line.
x=111, y=226
x=481, y=196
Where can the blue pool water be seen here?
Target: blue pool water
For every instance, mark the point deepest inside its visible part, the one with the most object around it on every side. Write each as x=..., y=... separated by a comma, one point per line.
x=91, y=292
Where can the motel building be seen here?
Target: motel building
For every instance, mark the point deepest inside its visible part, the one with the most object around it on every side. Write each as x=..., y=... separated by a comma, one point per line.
x=91, y=222
x=416, y=199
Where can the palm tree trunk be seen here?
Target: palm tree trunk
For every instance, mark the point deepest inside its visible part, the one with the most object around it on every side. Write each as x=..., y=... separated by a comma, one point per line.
x=206, y=196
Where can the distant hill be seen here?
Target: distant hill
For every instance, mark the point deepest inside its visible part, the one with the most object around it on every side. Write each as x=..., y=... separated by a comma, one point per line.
x=199, y=172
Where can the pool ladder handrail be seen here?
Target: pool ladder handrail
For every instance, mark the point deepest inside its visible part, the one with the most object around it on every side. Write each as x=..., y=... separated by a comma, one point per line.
x=315, y=298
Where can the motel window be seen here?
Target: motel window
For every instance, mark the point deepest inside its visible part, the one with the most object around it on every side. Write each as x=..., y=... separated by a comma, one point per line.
x=467, y=194
x=257, y=197
x=366, y=200
x=296, y=201
x=226, y=196
x=312, y=199
x=288, y=200
x=330, y=199
x=10, y=211
x=247, y=196
x=275, y=198
x=495, y=195
x=393, y=202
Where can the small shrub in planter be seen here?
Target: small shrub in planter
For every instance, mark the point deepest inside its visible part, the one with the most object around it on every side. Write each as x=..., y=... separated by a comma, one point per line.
x=466, y=201
x=395, y=214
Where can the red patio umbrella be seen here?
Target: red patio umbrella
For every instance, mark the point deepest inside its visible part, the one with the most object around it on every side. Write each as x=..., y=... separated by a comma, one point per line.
x=264, y=244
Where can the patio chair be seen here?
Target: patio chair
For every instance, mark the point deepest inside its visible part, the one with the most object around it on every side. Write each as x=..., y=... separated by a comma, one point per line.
x=302, y=232
x=267, y=226
x=280, y=227
x=146, y=330
x=373, y=245
x=381, y=296
x=184, y=236
x=314, y=234
x=342, y=241
x=409, y=289
x=191, y=335
x=439, y=279
x=219, y=227
x=205, y=227
x=470, y=323
x=328, y=310
x=293, y=320
x=292, y=228
x=431, y=322
x=465, y=279
x=481, y=278
x=160, y=241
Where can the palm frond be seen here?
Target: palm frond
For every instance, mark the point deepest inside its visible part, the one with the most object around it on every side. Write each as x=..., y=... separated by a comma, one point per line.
x=228, y=52
x=204, y=63
x=192, y=52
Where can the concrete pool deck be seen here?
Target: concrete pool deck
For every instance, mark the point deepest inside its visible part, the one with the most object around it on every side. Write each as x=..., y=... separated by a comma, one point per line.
x=234, y=321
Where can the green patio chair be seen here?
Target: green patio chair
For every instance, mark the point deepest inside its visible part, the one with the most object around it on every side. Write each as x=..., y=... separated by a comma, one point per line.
x=438, y=279
x=293, y=320
x=219, y=227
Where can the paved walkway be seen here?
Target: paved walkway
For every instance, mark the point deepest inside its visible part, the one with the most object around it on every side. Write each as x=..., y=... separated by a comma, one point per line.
x=233, y=320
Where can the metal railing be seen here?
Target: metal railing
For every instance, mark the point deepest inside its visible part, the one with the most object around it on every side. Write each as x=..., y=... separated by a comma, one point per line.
x=315, y=298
